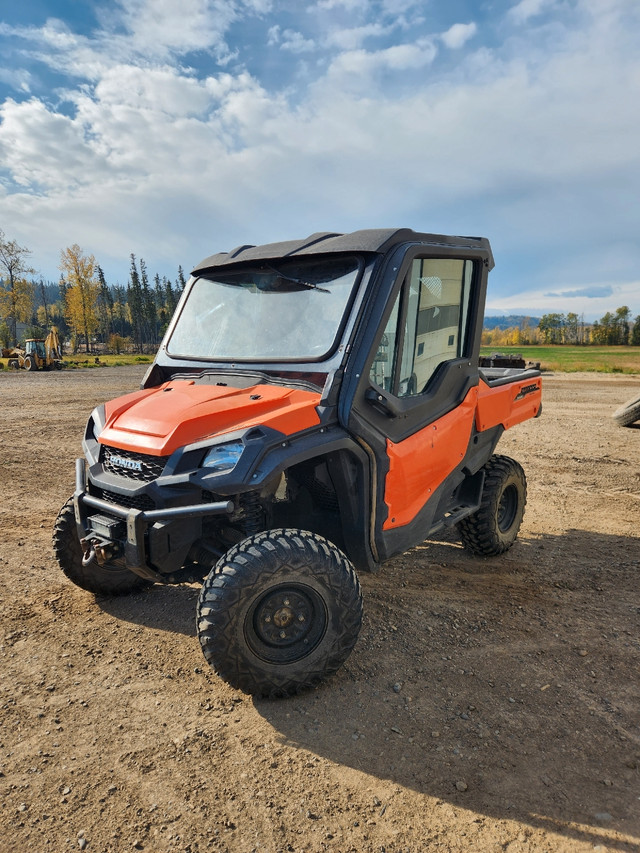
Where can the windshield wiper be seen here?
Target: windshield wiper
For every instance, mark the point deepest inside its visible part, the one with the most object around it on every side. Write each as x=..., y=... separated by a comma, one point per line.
x=308, y=284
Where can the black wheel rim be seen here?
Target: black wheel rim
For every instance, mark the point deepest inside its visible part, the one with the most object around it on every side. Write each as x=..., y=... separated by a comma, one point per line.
x=507, y=508
x=286, y=623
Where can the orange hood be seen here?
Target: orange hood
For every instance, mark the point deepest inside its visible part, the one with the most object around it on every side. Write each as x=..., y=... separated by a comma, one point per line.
x=160, y=420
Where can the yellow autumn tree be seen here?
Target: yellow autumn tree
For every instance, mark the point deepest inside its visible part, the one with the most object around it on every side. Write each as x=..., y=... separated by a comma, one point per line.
x=79, y=271
x=16, y=293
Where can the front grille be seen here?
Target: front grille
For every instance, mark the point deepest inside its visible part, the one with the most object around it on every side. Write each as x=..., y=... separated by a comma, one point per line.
x=134, y=466
x=142, y=502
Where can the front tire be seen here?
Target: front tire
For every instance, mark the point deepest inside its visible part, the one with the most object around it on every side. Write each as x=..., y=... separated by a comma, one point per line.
x=279, y=612
x=113, y=578
x=494, y=527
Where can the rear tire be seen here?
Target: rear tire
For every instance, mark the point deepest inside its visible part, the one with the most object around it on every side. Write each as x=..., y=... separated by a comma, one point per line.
x=494, y=527
x=628, y=413
x=112, y=578
x=279, y=612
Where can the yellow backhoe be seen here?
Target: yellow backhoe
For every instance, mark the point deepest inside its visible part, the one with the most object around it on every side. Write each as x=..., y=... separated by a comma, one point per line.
x=38, y=353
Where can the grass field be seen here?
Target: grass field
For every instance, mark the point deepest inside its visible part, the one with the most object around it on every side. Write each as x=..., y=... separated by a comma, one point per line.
x=562, y=359
x=85, y=360
x=568, y=359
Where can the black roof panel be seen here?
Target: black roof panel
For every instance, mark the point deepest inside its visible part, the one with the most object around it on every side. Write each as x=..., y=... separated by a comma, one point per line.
x=377, y=240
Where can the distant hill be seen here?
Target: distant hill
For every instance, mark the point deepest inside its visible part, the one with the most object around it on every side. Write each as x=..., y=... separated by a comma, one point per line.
x=509, y=321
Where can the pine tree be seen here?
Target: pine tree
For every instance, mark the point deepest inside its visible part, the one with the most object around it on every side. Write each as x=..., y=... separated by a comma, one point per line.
x=43, y=295
x=181, y=280
x=121, y=323
x=148, y=307
x=105, y=306
x=170, y=299
x=136, y=306
x=161, y=309
x=552, y=328
x=623, y=315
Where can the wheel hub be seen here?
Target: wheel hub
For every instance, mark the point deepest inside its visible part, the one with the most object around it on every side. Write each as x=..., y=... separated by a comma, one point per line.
x=283, y=618
x=507, y=508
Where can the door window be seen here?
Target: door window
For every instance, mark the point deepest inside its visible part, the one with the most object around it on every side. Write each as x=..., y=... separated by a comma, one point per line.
x=427, y=325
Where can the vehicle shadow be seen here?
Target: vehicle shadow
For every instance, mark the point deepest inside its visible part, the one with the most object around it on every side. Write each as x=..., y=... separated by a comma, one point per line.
x=163, y=608
x=513, y=678
x=506, y=685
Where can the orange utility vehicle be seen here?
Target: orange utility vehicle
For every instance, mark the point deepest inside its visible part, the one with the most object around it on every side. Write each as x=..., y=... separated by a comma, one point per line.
x=316, y=407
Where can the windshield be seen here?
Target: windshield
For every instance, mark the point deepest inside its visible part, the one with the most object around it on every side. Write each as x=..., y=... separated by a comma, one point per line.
x=37, y=347
x=280, y=311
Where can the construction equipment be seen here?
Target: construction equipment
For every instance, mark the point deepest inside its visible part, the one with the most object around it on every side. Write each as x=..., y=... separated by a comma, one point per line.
x=38, y=353
x=315, y=408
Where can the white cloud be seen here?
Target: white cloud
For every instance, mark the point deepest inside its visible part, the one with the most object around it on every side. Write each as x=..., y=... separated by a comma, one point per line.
x=43, y=150
x=260, y=7
x=273, y=35
x=160, y=90
x=349, y=5
x=397, y=7
x=526, y=9
x=156, y=27
x=536, y=302
x=295, y=42
x=134, y=31
x=532, y=143
x=359, y=67
x=18, y=79
x=458, y=35
x=350, y=39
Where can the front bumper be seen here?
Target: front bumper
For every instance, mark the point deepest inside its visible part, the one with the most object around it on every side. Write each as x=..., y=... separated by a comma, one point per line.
x=137, y=521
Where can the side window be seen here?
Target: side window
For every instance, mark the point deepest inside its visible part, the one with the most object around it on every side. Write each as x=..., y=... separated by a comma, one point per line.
x=427, y=325
x=382, y=368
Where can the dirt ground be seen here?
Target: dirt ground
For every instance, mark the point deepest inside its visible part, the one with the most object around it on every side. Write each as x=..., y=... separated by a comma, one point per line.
x=489, y=705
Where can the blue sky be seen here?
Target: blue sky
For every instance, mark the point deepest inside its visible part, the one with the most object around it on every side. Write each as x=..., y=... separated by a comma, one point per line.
x=177, y=128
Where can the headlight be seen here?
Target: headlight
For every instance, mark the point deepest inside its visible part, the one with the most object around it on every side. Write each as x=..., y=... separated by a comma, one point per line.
x=223, y=457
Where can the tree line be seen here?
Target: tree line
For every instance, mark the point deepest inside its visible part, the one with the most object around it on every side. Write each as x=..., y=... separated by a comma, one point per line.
x=613, y=329
x=88, y=312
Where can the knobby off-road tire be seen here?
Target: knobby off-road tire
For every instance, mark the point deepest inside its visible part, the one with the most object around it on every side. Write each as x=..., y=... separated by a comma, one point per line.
x=494, y=527
x=628, y=413
x=112, y=578
x=279, y=612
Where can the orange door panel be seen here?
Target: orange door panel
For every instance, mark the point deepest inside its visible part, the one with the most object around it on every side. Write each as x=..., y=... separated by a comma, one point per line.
x=508, y=404
x=420, y=463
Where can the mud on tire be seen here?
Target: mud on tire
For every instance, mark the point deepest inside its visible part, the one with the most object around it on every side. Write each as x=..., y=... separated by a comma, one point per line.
x=113, y=578
x=279, y=612
x=494, y=527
